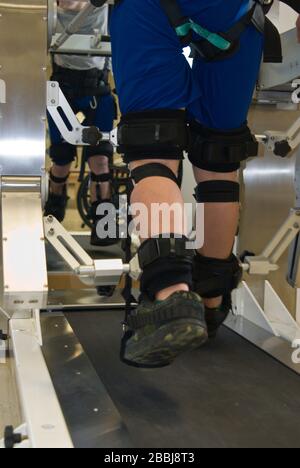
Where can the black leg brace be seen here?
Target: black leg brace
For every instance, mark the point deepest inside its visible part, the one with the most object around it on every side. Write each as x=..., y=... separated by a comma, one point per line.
x=58, y=180
x=165, y=262
x=213, y=278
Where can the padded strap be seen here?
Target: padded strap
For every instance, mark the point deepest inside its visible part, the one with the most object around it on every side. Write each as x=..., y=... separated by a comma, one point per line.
x=216, y=147
x=101, y=177
x=176, y=18
x=58, y=180
x=218, y=191
x=157, y=248
x=156, y=134
x=153, y=170
x=213, y=277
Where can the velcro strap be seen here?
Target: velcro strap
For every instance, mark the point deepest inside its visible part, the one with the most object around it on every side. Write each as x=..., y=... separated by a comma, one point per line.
x=156, y=248
x=101, y=177
x=214, y=277
x=153, y=131
x=160, y=316
x=176, y=18
x=58, y=180
x=153, y=170
x=218, y=191
x=216, y=147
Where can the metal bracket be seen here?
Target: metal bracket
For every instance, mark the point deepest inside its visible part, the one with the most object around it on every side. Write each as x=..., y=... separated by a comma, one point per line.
x=283, y=143
x=22, y=433
x=67, y=123
x=90, y=272
x=75, y=25
x=268, y=260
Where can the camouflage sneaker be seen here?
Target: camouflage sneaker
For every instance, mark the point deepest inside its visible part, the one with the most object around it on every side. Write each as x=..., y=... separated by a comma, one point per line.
x=161, y=331
x=216, y=317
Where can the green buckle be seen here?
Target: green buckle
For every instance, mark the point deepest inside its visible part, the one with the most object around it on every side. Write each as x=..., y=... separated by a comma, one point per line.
x=213, y=38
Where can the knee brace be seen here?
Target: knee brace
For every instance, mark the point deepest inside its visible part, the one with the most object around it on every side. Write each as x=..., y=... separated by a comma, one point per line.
x=218, y=191
x=214, y=278
x=62, y=154
x=101, y=178
x=157, y=134
x=165, y=262
x=223, y=152
x=104, y=148
x=58, y=180
x=153, y=170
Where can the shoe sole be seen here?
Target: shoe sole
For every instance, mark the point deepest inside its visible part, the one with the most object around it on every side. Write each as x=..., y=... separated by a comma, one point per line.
x=104, y=243
x=168, y=342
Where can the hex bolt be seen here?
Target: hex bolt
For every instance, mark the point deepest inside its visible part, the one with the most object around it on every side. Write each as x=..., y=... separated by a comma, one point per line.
x=51, y=232
x=50, y=219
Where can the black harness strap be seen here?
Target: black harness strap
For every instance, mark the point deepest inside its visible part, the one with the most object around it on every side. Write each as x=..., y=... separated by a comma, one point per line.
x=153, y=170
x=211, y=52
x=176, y=18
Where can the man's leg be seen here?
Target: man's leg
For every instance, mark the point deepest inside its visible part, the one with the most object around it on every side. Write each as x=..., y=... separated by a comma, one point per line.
x=62, y=155
x=169, y=319
x=160, y=191
x=220, y=141
x=99, y=165
x=216, y=215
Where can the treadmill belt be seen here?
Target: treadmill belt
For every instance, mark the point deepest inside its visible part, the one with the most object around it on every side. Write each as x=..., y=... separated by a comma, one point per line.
x=228, y=394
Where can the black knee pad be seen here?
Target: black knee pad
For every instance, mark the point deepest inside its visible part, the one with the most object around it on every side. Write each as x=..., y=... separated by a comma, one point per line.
x=58, y=180
x=165, y=262
x=62, y=153
x=153, y=170
x=104, y=148
x=213, y=277
x=218, y=191
x=217, y=151
x=156, y=134
x=101, y=178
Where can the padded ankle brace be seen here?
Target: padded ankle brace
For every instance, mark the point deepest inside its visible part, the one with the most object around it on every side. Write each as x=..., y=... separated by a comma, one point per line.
x=165, y=263
x=213, y=277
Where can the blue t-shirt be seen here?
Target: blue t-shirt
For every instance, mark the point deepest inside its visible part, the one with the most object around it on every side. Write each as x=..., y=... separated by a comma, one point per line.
x=149, y=67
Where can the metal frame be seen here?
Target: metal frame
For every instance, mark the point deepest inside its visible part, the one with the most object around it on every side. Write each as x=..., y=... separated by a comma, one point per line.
x=267, y=262
x=68, y=124
x=91, y=272
x=44, y=424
